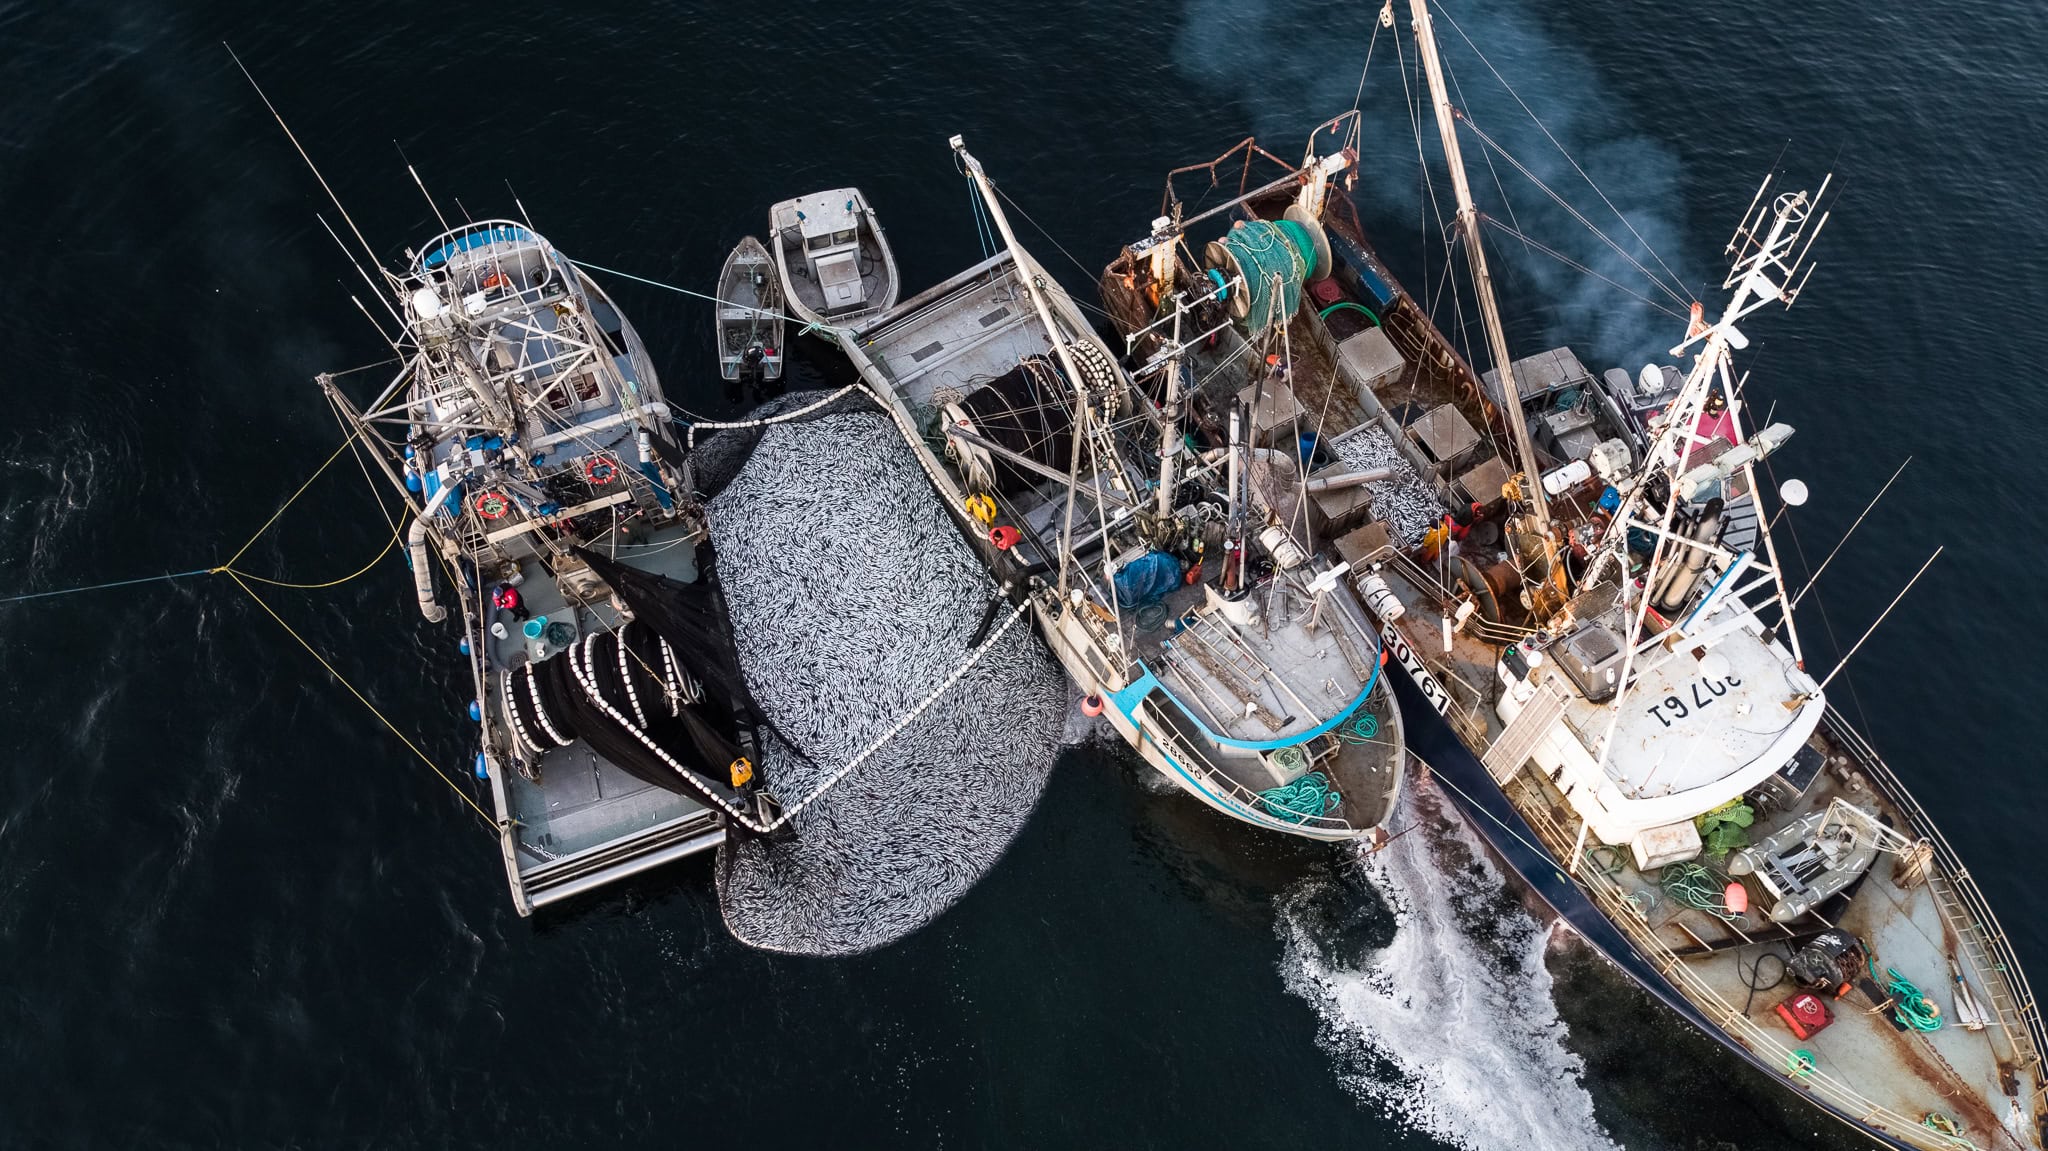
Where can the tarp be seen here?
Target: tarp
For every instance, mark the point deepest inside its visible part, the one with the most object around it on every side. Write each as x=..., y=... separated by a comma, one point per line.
x=1148, y=579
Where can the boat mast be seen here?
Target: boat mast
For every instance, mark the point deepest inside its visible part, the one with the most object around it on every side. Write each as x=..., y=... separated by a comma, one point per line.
x=1059, y=347
x=1482, y=281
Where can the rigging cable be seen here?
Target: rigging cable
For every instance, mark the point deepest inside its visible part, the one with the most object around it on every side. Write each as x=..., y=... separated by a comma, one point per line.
x=1675, y=279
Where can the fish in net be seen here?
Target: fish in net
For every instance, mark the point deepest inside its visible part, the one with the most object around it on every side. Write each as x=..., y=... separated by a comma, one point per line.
x=853, y=597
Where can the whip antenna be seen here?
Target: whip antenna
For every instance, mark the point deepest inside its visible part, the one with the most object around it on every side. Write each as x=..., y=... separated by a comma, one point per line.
x=301, y=150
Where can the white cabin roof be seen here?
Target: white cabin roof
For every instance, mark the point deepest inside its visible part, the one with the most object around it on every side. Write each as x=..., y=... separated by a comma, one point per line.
x=1730, y=709
x=822, y=213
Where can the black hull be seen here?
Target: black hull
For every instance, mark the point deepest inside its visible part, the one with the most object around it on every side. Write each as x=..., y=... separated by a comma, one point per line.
x=1431, y=741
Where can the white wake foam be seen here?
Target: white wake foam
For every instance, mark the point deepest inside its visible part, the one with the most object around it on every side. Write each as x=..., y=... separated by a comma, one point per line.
x=1451, y=1028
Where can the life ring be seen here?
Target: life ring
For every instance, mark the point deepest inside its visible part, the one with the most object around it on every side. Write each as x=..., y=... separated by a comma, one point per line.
x=600, y=471
x=492, y=505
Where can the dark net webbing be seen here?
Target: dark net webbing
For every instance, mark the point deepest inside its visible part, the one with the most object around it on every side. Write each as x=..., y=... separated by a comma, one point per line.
x=1027, y=411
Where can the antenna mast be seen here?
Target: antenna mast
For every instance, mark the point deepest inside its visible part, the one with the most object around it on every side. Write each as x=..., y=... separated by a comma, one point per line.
x=1482, y=281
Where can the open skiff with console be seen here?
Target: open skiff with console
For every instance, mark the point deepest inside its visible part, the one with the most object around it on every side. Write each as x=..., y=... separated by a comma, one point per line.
x=836, y=267
x=750, y=318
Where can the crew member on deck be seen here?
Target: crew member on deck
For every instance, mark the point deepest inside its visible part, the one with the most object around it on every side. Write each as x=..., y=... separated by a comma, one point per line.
x=507, y=598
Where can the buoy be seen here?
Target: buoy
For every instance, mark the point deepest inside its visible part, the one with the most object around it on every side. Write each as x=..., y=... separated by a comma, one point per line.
x=1005, y=537
x=463, y=647
x=492, y=505
x=483, y=766
x=1091, y=706
x=476, y=712
x=1736, y=897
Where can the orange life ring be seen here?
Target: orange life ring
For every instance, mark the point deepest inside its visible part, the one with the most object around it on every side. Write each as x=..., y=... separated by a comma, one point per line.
x=599, y=470
x=492, y=505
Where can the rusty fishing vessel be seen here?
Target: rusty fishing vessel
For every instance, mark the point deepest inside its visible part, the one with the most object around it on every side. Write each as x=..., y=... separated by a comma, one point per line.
x=1594, y=643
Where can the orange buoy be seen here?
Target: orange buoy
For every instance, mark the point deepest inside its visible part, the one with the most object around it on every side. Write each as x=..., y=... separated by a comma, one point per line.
x=1091, y=706
x=1736, y=897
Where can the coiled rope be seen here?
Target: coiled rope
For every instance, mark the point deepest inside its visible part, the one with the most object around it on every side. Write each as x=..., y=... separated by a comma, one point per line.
x=1310, y=797
x=1909, y=1005
x=1696, y=885
x=1361, y=729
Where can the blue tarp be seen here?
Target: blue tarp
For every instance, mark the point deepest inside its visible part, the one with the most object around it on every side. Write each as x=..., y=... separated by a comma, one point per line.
x=1148, y=579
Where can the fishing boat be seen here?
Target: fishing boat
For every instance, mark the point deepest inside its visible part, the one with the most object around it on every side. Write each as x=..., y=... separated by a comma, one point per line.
x=1594, y=648
x=1186, y=585
x=528, y=437
x=835, y=264
x=750, y=316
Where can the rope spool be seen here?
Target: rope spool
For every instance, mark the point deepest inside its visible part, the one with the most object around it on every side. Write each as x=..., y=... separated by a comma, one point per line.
x=1258, y=252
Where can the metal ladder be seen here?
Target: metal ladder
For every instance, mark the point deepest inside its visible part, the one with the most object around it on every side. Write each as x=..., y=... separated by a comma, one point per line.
x=1225, y=649
x=1981, y=963
x=1511, y=750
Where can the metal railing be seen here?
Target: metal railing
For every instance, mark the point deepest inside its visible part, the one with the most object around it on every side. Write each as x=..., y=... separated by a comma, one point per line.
x=1172, y=745
x=1965, y=910
x=1633, y=921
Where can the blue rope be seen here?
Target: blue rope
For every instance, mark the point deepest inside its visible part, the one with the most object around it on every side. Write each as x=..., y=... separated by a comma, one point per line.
x=104, y=586
x=1306, y=798
x=982, y=229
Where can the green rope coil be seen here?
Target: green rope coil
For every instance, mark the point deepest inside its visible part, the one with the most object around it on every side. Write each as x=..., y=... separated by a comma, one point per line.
x=1698, y=886
x=1801, y=1063
x=1309, y=797
x=1948, y=1129
x=1361, y=729
x=1909, y=1005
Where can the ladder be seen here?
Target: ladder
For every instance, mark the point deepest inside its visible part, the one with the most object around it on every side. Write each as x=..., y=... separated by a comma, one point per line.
x=1981, y=964
x=1511, y=750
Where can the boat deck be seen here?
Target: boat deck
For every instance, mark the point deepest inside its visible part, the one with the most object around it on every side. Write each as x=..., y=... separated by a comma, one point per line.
x=573, y=807
x=946, y=342
x=1965, y=1075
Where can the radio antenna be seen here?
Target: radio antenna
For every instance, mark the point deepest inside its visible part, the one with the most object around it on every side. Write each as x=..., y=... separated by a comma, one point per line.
x=421, y=185
x=301, y=150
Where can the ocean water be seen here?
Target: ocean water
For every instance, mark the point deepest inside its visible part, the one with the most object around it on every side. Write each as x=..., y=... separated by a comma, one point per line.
x=235, y=912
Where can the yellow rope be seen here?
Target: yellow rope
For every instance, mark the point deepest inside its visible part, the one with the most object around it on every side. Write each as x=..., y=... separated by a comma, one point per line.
x=317, y=473
x=311, y=650
x=364, y=570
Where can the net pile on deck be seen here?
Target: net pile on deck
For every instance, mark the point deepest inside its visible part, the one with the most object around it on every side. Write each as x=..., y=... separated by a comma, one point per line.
x=1402, y=500
x=853, y=597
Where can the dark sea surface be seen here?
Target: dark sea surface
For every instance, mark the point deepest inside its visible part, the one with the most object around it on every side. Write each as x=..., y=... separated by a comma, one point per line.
x=235, y=912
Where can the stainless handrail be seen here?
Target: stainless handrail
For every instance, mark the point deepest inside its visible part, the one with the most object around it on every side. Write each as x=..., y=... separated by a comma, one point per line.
x=1983, y=921
x=1186, y=756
